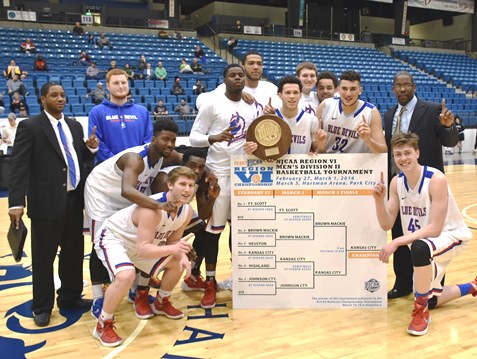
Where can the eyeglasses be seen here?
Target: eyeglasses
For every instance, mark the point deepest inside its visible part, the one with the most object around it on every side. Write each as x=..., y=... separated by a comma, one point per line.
x=407, y=85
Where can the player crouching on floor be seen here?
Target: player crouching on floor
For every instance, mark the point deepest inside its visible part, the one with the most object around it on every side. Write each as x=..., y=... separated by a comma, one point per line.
x=151, y=241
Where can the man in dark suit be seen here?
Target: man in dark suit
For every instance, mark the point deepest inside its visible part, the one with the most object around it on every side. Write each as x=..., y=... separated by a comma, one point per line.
x=46, y=166
x=434, y=124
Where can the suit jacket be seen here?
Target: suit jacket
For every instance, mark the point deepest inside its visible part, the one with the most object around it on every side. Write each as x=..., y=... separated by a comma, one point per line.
x=39, y=170
x=432, y=135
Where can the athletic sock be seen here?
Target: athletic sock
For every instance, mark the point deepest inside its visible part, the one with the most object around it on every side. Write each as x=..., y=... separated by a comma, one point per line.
x=164, y=293
x=97, y=291
x=209, y=275
x=421, y=298
x=467, y=288
x=105, y=316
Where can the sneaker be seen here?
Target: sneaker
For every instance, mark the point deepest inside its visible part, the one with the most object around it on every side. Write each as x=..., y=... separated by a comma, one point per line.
x=165, y=307
x=154, y=282
x=226, y=284
x=208, y=300
x=106, y=334
x=141, y=304
x=420, y=320
x=193, y=283
x=97, y=307
x=474, y=282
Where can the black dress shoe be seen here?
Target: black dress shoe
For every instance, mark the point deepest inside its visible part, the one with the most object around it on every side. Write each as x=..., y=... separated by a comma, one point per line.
x=395, y=293
x=80, y=304
x=41, y=319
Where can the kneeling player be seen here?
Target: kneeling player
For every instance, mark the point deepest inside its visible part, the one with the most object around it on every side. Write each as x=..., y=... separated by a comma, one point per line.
x=144, y=238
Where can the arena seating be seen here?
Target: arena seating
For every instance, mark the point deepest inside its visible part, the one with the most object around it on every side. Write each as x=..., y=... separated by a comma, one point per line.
x=376, y=68
x=62, y=48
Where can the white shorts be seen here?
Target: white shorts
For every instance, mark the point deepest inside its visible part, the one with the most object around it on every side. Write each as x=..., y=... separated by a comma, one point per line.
x=221, y=211
x=112, y=251
x=443, y=249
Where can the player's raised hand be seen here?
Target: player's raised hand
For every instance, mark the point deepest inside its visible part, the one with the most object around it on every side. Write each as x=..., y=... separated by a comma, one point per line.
x=446, y=117
x=225, y=135
x=363, y=129
x=179, y=248
x=320, y=136
x=269, y=109
x=379, y=190
x=213, y=190
x=92, y=141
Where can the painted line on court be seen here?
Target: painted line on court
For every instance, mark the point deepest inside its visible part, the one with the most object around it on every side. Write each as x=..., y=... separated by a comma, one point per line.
x=134, y=334
x=466, y=216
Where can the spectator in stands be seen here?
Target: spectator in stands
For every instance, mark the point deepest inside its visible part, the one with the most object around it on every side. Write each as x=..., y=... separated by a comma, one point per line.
x=40, y=64
x=103, y=41
x=162, y=34
x=98, y=94
x=177, y=88
x=200, y=54
x=15, y=85
x=14, y=69
x=148, y=73
x=83, y=59
x=91, y=40
x=177, y=35
x=460, y=128
x=2, y=104
x=23, y=112
x=17, y=103
x=160, y=72
x=129, y=72
x=327, y=85
x=77, y=29
x=185, y=67
x=28, y=47
x=9, y=131
x=160, y=109
x=112, y=65
x=141, y=65
x=92, y=72
x=232, y=44
x=198, y=88
x=184, y=109
x=196, y=67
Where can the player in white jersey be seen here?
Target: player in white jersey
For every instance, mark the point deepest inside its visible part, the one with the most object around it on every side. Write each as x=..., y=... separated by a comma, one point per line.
x=432, y=224
x=308, y=75
x=350, y=125
x=122, y=180
x=144, y=238
x=304, y=126
x=222, y=125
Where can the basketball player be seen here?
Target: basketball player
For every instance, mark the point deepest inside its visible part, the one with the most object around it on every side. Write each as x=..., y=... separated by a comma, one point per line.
x=143, y=237
x=303, y=125
x=308, y=74
x=350, y=125
x=327, y=85
x=124, y=179
x=206, y=192
x=222, y=125
x=432, y=224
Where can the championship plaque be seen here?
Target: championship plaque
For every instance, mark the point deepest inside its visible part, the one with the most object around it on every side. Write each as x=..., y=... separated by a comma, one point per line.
x=272, y=135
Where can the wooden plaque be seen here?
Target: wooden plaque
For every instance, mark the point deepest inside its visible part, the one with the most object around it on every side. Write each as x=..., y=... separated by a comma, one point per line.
x=272, y=135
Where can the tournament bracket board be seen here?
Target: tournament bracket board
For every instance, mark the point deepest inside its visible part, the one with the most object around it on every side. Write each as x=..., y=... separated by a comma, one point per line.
x=305, y=232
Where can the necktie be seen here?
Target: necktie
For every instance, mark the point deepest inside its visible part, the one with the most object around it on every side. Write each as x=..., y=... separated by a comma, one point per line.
x=397, y=129
x=69, y=157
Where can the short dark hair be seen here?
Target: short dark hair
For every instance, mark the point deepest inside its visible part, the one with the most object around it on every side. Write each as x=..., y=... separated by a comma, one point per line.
x=165, y=124
x=194, y=151
x=350, y=76
x=289, y=80
x=228, y=67
x=328, y=75
x=403, y=73
x=247, y=54
x=46, y=87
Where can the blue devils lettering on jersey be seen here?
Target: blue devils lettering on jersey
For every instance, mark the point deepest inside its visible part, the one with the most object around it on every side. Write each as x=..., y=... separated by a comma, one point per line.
x=237, y=123
x=414, y=211
x=299, y=139
x=162, y=235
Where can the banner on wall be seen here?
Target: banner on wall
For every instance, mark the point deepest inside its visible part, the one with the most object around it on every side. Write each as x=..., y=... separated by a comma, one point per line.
x=346, y=37
x=159, y=24
x=464, y=6
x=21, y=15
x=253, y=30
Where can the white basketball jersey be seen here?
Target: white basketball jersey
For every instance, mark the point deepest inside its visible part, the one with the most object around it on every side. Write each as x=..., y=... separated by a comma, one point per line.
x=341, y=127
x=415, y=206
x=309, y=103
x=214, y=118
x=122, y=226
x=102, y=191
x=302, y=127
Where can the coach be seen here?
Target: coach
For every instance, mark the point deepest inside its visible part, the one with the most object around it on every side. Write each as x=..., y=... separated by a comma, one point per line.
x=46, y=166
x=434, y=124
